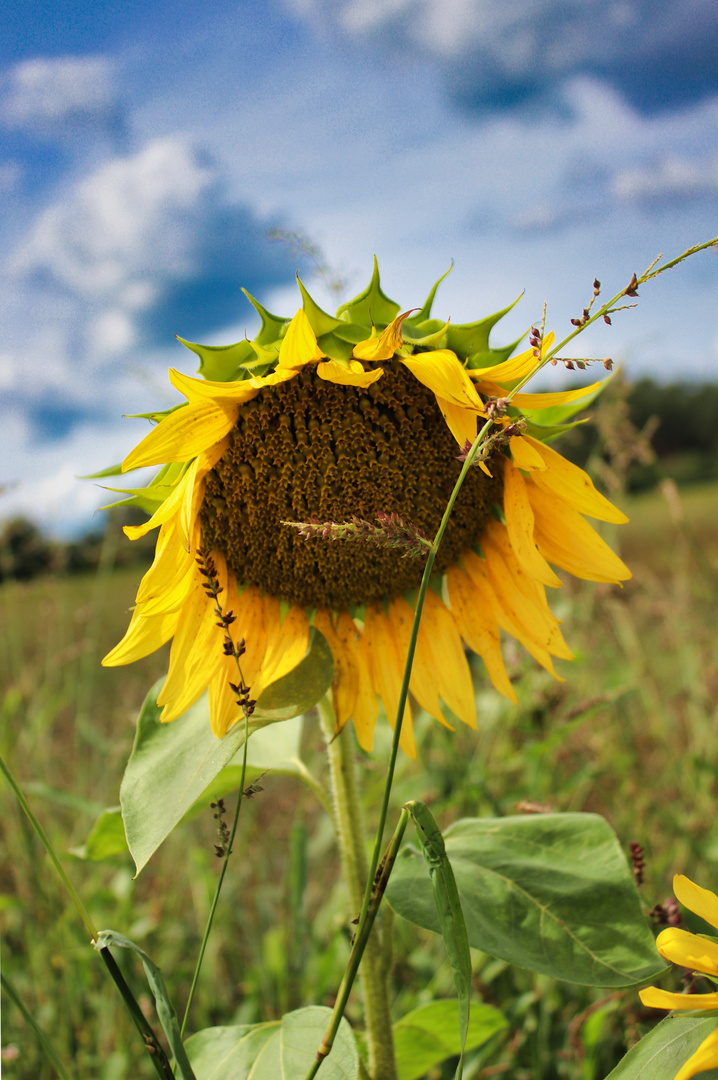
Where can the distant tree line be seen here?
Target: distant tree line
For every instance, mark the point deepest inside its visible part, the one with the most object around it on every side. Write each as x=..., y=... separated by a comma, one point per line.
x=639, y=433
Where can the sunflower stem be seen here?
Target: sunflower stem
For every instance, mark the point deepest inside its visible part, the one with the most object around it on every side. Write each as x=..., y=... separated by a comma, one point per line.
x=374, y=976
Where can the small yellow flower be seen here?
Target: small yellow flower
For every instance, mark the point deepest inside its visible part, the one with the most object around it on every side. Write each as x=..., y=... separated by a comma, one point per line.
x=326, y=418
x=698, y=954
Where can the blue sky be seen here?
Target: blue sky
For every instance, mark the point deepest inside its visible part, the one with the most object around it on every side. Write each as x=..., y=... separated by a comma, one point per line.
x=147, y=150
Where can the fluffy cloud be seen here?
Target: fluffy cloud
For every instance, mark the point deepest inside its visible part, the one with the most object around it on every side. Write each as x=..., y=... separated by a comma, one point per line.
x=499, y=54
x=53, y=96
x=673, y=180
x=149, y=245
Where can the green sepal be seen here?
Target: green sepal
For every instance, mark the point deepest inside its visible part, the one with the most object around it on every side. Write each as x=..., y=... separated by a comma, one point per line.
x=472, y=339
x=220, y=363
x=477, y=360
x=546, y=433
x=352, y=332
x=266, y=355
x=111, y=470
x=425, y=312
x=273, y=326
x=371, y=307
x=156, y=416
x=334, y=347
x=433, y=339
x=320, y=321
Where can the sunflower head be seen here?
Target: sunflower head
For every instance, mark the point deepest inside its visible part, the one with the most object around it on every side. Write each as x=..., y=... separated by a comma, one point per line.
x=304, y=458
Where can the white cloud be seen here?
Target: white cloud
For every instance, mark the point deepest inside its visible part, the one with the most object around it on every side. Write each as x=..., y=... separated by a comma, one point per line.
x=52, y=91
x=122, y=226
x=672, y=179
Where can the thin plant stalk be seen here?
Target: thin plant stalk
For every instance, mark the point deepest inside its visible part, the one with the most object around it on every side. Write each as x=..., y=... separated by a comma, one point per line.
x=215, y=899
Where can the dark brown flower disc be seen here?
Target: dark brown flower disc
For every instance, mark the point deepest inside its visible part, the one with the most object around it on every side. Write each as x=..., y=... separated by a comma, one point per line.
x=315, y=449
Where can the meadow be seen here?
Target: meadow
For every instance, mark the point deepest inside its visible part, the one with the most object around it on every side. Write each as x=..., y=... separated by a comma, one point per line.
x=630, y=734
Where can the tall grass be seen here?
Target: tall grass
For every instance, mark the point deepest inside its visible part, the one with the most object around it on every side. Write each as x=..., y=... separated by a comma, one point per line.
x=630, y=734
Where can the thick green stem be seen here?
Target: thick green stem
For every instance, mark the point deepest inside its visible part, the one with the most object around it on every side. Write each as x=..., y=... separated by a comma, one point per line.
x=373, y=975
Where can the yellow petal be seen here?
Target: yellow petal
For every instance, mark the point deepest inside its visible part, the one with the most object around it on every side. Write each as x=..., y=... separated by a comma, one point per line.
x=366, y=708
x=461, y=422
x=195, y=654
x=443, y=652
x=525, y=597
x=387, y=671
x=422, y=684
x=573, y=485
x=442, y=371
x=333, y=371
x=498, y=600
x=566, y=539
x=654, y=998
x=222, y=393
x=524, y=455
x=382, y=346
x=517, y=366
x=689, y=950
x=547, y=401
x=285, y=650
x=700, y=901
x=170, y=562
x=478, y=627
x=184, y=434
x=705, y=1057
x=224, y=711
x=279, y=375
x=520, y=527
x=143, y=637
x=299, y=344
x=169, y=509
x=345, y=682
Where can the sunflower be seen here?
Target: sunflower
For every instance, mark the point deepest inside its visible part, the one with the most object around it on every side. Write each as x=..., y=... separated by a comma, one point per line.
x=697, y=953
x=358, y=417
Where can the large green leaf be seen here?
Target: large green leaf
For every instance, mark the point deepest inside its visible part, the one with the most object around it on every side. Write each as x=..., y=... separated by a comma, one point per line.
x=550, y=892
x=660, y=1054
x=430, y=1034
x=274, y=1051
x=171, y=765
x=106, y=839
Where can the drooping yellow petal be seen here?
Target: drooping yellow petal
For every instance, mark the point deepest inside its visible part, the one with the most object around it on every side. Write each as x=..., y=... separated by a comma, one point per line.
x=520, y=527
x=700, y=901
x=345, y=682
x=567, y=540
x=351, y=375
x=274, y=378
x=184, y=434
x=299, y=344
x=516, y=367
x=170, y=562
x=565, y=480
x=422, y=684
x=222, y=393
x=143, y=637
x=224, y=711
x=284, y=652
x=461, y=422
x=478, y=627
x=442, y=371
x=387, y=671
x=382, y=346
x=366, y=708
x=524, y=455
x=689, y=950
x=662, y=999
x=705, y=1057
x=443, y=650
x=169, y=509
x=501, y=602
x=547, y=401
x=525, y=597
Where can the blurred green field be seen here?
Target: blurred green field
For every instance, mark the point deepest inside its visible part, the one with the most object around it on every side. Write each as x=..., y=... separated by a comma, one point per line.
x=630, y=734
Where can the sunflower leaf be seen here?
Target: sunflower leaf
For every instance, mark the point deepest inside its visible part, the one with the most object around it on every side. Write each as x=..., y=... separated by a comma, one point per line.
x=273, y=1051
x=660, y=1054
x=171, y=765
x=552, y=893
